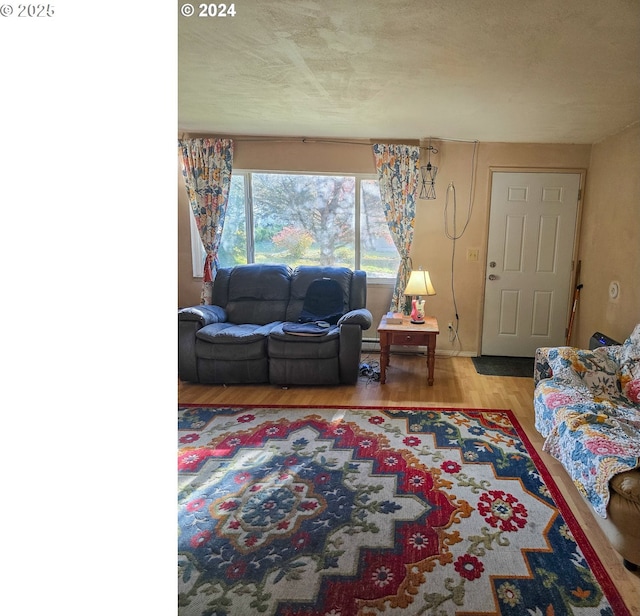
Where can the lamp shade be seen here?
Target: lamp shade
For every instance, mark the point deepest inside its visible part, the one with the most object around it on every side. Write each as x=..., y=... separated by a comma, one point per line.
x=419, y=284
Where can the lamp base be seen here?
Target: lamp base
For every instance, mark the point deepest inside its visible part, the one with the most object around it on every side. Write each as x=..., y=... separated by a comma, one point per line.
x=417, y=311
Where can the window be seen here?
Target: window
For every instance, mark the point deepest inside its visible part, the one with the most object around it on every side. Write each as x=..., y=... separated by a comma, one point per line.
x=301, y=219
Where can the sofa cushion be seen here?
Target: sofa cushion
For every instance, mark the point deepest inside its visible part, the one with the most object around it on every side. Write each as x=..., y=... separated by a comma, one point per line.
x=629, y=352
x=591, y=371
x=594, y=443
x=258, y=293
x=302, y=278
x=324, y=301
x=552, y=394
x=319, y=328
x=629, y=358
x=630, y=382
x=291, y=346
x=233, y=342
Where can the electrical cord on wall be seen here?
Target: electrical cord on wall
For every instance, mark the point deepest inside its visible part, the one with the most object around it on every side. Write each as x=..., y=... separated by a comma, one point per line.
x=453, y=235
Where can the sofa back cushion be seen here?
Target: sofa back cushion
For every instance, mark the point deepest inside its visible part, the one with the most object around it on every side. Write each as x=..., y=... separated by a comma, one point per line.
x=255, y=293
x=264, y=293
x=630, y=350
x=592, y=372
x=304, y=275
x=324, y=302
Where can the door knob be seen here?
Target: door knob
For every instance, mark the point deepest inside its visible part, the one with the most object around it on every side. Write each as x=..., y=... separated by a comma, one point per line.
x=492, y=264
x=493, y=277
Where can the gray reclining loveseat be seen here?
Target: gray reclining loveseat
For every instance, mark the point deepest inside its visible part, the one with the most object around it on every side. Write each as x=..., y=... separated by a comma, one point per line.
x=241, y=337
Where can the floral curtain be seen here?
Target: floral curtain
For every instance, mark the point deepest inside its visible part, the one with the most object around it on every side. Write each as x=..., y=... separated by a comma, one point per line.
x=398, y=169
x=206, y=167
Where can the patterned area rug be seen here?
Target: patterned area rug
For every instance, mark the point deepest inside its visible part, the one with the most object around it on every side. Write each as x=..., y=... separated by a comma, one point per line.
x=366, y=511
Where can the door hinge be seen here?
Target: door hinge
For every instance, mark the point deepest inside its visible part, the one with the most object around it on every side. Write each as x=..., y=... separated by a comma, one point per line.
x=579, y=194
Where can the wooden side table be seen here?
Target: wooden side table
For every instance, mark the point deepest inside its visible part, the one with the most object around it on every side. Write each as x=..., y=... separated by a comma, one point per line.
x=408, y=334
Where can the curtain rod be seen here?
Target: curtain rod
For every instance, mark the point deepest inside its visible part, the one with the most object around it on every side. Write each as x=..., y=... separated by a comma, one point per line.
x=321, y=140
x=307, y=140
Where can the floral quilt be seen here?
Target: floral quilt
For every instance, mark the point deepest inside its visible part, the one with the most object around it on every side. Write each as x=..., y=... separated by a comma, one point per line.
x=587, y=406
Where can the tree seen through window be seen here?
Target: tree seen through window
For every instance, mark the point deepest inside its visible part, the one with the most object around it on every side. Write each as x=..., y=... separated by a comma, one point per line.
x=300, y=219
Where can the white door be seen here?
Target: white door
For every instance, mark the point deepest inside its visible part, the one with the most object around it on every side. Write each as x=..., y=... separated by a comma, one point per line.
x=529, y=261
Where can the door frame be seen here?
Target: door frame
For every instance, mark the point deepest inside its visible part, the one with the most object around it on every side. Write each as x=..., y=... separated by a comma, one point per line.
x=582, y=172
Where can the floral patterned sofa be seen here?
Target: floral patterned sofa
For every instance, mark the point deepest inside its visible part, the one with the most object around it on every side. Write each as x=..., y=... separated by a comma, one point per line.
x=587, y=406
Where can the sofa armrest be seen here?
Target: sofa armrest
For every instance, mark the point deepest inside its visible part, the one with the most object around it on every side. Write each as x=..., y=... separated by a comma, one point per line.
x=350, y=349
x=542, y=369
x=204, y=314
x=351, y=325
x=190, y=320
x=360, y=316
x=547, y=356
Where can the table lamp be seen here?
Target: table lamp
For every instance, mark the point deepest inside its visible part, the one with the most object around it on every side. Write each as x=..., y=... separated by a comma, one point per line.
x=419, y=284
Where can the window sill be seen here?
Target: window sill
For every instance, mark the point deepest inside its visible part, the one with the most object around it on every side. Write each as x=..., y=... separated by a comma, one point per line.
x=381, y=282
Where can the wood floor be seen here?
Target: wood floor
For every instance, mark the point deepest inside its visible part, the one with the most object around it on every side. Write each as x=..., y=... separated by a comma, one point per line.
x=456, y=385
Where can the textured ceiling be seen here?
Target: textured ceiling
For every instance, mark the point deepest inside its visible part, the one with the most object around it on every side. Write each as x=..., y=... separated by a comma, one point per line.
x=552, y=71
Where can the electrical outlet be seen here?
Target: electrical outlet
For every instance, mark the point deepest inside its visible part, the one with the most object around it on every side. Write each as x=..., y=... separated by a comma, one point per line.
x=473, y=254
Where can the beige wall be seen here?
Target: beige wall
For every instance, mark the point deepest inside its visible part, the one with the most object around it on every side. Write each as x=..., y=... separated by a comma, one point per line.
x=431, y=249
x=610, y=239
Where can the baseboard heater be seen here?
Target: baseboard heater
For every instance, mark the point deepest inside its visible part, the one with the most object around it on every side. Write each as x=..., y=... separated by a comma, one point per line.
x=599, y=340
x=372, y=345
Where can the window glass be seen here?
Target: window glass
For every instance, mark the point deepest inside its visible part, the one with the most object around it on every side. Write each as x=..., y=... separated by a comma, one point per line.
x=378, y=255
x=303, y=219
x=233, y=245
